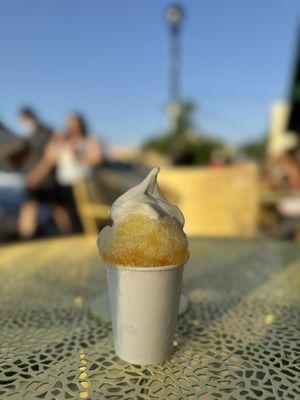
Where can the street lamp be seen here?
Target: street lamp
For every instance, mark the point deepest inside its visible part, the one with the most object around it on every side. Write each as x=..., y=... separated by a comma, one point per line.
x=174, y=15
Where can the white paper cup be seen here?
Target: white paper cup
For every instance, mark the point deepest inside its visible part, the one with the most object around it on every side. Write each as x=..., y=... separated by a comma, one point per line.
x=144, y=307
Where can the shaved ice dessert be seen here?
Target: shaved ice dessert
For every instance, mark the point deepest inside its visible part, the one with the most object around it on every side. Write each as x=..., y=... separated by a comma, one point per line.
x=147, y=230
x=144, y=250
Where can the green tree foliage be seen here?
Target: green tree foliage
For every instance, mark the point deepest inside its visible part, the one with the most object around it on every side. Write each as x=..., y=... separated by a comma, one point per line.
x=255, y=150
x=182, y=143
x=185, y=118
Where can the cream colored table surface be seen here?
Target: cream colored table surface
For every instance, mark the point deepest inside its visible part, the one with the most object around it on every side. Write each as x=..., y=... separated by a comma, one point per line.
x=240, y=338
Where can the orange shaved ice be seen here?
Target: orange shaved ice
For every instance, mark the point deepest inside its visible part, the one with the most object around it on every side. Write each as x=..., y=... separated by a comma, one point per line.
x=143, y=242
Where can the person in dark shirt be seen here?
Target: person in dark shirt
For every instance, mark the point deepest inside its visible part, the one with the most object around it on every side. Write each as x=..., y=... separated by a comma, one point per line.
x=13, y=149
x=39, y=136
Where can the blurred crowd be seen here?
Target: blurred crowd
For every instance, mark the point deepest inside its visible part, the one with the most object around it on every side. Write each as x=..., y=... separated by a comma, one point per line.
x=52, y=162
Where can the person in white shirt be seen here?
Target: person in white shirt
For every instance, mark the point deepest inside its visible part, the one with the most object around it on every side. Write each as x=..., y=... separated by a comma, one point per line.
x=73, y=154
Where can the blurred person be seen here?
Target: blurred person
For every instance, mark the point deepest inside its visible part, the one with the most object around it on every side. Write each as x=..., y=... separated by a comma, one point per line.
x=13, y=149
x=216, y=159
x=284, y=170
x=38, y=136
x=283, y=173
x=73, y=154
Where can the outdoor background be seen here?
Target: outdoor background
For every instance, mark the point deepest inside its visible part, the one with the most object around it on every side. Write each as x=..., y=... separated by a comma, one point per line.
x=219, y=151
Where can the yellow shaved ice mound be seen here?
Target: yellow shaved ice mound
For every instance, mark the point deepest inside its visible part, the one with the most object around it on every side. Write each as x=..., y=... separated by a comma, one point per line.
x=143, y=242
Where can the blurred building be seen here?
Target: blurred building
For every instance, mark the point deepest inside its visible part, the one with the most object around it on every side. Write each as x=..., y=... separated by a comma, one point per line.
x=125, y=153
x=138, y=156
x=285, y=116
x=280, y=139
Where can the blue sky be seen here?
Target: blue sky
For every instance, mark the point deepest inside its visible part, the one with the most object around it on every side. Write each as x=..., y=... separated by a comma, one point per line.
x=108, y=59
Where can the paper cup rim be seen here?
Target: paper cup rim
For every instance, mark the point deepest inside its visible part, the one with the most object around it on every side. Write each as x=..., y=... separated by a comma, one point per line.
x=144, y=269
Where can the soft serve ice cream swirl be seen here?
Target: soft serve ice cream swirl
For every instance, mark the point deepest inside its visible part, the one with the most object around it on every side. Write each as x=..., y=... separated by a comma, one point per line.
x=145, y=199
x=147, y=229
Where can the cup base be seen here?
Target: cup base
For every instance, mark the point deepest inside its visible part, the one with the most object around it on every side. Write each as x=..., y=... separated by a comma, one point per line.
x=143, y=362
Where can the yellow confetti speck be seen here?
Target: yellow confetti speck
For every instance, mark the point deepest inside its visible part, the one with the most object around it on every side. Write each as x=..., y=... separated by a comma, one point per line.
x=84, y=362
x=83, y=375
x=81, y=356
x=82, y=368
x=269, y=319
x=78, y=301
x=175, y=343
x=85, y=384
x=83, y=395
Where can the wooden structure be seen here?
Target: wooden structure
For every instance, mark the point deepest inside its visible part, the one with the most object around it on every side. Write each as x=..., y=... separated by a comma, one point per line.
x=215, y=201
x=94, y=196
x=90, y=208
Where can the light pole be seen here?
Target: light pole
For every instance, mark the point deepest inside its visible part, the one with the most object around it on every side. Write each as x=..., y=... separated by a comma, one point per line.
x=174, y=15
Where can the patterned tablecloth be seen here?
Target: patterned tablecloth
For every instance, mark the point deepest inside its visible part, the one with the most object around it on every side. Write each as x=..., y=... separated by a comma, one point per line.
x=240, y=338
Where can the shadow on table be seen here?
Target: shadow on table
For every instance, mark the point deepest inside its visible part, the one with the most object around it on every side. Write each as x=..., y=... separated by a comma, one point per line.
x=221, y=273
x=240, y=336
